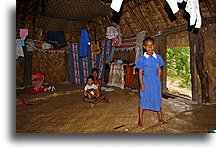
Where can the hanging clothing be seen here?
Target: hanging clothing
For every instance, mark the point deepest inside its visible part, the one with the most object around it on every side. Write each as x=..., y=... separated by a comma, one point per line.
x=19, y=49
x=84, y=42
x=23, y=33
x=114, y=33
x=117, y=41
x=57, y=39
x=116, y=75
x=173, y=5
x=30, y=45
x=110, y=58
x=22, y=42
x=151, y=98
x=129, y=76
x=192, y=7
x=139, y=44
x=111, y=32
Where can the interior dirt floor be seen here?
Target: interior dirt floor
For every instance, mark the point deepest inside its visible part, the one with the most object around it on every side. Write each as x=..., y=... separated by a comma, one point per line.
x=63, y=111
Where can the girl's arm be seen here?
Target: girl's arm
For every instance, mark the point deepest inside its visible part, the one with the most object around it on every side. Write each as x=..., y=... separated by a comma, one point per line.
x=100, y=84
x=97, y=92
x=85, y=93
x=141, y=80
x=159, y=73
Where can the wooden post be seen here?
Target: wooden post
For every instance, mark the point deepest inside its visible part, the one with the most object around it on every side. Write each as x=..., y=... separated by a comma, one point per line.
x=193, y=69
x=198, y=69
x=203, y=75
x=66, y=66
x=27, y=67
x=160, y=47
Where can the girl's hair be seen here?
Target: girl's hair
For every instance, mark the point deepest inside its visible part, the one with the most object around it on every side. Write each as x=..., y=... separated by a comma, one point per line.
x=95, y=69
x=148, y=39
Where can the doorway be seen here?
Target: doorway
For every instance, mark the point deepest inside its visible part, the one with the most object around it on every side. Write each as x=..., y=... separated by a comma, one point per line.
x=178, y=71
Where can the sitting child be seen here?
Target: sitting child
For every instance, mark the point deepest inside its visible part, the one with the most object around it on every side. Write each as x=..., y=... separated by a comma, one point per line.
x=98, y=82
x=91, y=91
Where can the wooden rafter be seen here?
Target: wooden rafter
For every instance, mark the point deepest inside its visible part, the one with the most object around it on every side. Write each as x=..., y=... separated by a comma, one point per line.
x=209, y=7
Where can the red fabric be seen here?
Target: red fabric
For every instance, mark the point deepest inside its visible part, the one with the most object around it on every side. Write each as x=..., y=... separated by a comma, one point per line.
x=129, y=76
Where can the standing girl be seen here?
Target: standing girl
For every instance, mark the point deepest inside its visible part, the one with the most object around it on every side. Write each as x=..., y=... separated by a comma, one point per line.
x=150, y=75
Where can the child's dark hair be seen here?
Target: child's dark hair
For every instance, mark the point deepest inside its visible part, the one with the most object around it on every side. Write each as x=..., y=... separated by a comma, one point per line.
x=95, y=69
x=148, y=39
x=90, y=77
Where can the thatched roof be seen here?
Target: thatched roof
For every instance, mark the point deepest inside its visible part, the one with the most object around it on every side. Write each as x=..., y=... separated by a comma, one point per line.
x=134, y=16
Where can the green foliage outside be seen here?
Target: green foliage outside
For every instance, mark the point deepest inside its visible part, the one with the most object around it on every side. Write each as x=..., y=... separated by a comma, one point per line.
x=178, y=65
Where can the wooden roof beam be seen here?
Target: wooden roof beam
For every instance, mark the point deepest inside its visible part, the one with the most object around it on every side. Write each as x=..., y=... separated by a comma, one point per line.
x=184, y=27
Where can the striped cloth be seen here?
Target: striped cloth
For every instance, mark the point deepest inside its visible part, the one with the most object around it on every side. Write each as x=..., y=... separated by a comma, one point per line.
x=81, y=67
x=127, y=45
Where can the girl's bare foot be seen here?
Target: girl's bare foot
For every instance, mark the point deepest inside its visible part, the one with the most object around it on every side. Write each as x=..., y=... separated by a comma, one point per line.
x=163, y=121
x=140, y=124
x=108, y=101
x=92, y=105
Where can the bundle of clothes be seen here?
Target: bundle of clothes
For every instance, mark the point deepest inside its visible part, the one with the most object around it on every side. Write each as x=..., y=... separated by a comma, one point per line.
x=57, y=39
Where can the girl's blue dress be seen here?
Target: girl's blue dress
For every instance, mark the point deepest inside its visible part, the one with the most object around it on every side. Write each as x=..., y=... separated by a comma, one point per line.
x=150, y=99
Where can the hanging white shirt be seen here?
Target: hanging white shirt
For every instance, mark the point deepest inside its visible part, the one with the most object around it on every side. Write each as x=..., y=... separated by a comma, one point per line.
x=19, y=49
x=192, y=7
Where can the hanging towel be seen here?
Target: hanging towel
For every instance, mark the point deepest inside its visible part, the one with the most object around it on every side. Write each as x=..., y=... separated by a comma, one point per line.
x=19, y=49
x=23, y=33
x=112, y=32
x=84, y=42
x=139, y=44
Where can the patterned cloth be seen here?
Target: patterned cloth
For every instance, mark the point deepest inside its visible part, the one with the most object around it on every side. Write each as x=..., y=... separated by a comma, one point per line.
x=116, y=75
x=81, y=67
x=38, y=47
x=30, y=45
x=127, y=45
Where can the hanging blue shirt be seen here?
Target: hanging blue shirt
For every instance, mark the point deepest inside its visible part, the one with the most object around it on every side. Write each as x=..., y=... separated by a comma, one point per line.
x=84, y=41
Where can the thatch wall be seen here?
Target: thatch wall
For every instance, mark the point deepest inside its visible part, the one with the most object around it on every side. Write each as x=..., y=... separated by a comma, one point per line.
x=178, y=40
x=19, y=74
x=125, y=56
x=52, y=64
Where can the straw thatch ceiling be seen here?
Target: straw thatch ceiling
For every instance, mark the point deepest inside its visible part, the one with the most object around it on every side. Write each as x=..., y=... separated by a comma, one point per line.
x=73, y=10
